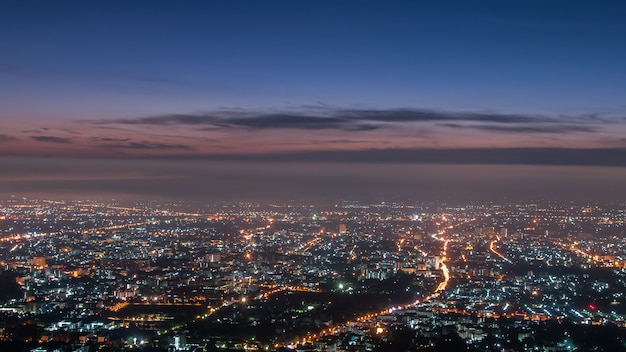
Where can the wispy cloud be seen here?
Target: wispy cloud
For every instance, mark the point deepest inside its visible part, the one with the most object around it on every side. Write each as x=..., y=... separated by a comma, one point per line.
x=253, y=122
x=52, y=139
x=412, y=115
x=556, y=128
x=345, y=141
x=7, y=138
x=332, y=118
x=109, y=139
x=124, y=144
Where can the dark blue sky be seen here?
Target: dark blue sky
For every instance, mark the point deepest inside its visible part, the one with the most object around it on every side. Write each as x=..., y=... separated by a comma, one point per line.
x=480, y=82
x=129, y=57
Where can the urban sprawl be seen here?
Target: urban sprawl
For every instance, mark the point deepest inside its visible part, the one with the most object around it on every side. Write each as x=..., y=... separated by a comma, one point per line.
x=352, y=276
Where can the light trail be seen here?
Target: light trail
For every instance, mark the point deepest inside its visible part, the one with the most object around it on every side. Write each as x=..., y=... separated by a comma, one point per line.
x=495, y=251
x=116, y=227
x=444, y=269
x=307, y=246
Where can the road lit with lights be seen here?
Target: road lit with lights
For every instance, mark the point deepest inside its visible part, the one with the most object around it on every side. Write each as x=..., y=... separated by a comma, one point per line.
x=493, y=250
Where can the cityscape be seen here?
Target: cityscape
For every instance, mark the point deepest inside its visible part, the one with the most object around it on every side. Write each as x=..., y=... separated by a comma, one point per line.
x=300, y=176
x=186, y=276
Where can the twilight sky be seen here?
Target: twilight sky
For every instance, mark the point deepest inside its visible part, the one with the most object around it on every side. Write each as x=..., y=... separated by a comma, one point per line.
x=246, y=86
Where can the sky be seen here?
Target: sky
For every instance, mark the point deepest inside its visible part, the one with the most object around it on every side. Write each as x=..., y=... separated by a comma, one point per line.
x=294, y=99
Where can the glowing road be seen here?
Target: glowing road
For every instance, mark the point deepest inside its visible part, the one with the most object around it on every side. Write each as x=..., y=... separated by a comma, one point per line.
x=495, y=251
x=444, y=268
